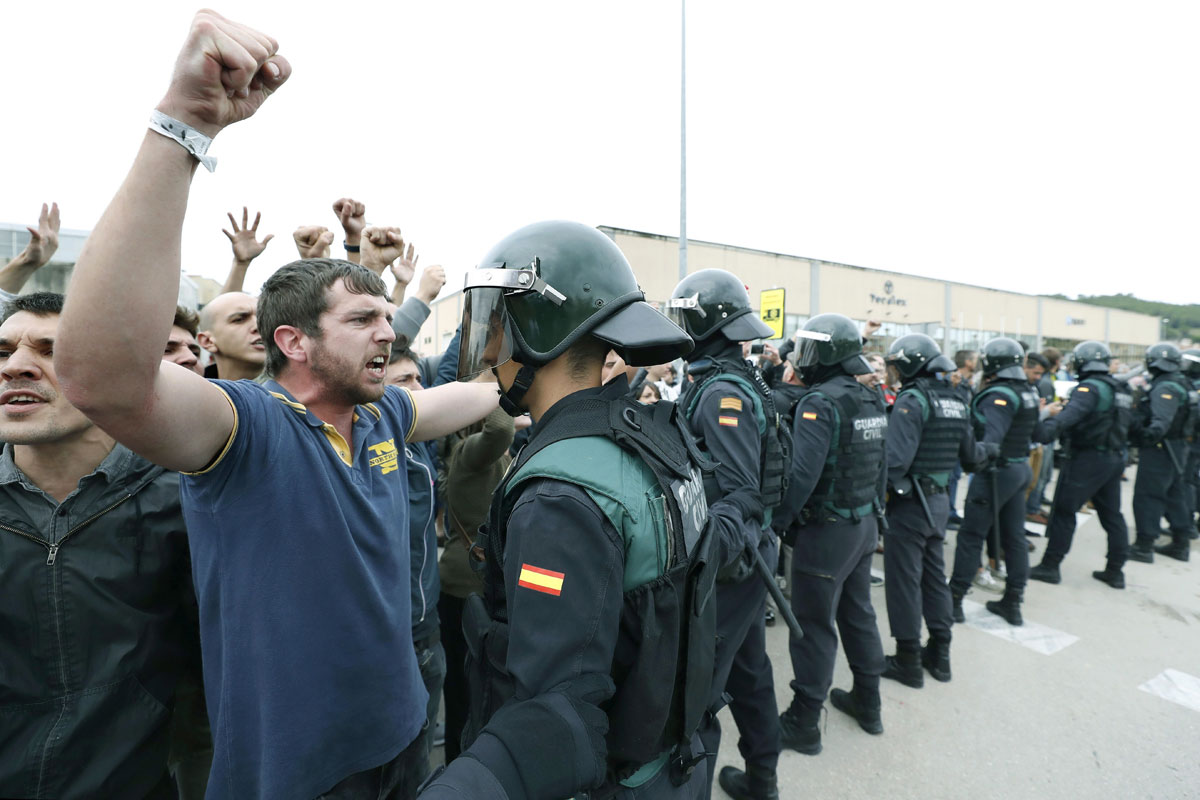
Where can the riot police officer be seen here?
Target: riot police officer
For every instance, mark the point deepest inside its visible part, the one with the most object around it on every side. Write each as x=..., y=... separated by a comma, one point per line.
x=928, y=434
x=732, y=411
x=1094, y=427
x=1005, y=412
x=1160, y=432
x=1191, y=370
x=839, y=471
x=597, y=536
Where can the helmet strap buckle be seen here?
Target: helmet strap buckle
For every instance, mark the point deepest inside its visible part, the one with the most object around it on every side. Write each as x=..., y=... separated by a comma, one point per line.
x=510, y=400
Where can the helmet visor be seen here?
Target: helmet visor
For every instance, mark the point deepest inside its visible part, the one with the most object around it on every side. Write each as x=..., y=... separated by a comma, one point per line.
x=677, y=308
x=806, y=353
x=485, y=341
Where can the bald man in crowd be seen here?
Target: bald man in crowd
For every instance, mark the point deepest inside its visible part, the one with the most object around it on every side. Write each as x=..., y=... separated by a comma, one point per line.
x=229, y=330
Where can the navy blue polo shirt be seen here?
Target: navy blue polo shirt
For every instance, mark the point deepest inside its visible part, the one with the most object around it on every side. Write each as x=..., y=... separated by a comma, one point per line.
x=300, y=557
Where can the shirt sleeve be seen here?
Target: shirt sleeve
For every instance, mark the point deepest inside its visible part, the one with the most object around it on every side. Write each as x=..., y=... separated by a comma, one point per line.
x=725, y=418
x=1081, y=405
x=904, y=434
x=1164, y=402
x=998, y=412
x=563, y=580
x=812, y=432
x=408, y=319
x=250, y=439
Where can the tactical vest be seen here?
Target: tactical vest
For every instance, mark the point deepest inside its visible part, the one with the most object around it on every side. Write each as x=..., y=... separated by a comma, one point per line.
x=775, y=455
x=1019, y=394
x=645, y=474
x=849, y=484
x=1181, y=423
x=946, y=419
x=1107, y=427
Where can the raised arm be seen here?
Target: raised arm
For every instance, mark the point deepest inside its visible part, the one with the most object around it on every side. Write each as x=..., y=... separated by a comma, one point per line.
x=43, y=241
x=451, y=407
x=246, y=248
x=122, y=297
x=353, y=216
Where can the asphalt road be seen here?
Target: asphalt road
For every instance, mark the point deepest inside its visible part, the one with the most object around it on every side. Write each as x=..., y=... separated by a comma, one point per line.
x=1016, y=722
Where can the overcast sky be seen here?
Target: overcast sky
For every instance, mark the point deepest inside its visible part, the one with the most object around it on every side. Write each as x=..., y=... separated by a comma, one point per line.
x=1031, y=146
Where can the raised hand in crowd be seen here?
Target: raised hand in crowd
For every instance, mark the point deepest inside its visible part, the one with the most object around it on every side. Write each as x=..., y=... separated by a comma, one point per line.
x=871, y=327
x=43, y=242
x=246, y=248
x=313, y=241
x=353, y=216
x=433, y=278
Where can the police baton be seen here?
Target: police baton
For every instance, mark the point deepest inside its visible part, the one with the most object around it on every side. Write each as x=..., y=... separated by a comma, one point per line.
x=785, y=608
x=995, y=534
x=920, y=495
x=1174, y=459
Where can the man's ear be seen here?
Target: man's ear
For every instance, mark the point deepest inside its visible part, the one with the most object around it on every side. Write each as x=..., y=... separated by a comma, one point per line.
x=205, y=340
x=292, y=342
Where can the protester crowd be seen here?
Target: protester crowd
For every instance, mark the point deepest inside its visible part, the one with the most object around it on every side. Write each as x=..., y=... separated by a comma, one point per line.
x=272, y=550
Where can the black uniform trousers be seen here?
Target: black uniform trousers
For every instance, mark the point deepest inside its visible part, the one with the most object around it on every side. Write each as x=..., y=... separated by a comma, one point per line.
x=831, y=582
x=1192, y=493
x=916, y=567
x=1159, y=491
x=1011, y=481
x=1088, y=475
x=743, y=670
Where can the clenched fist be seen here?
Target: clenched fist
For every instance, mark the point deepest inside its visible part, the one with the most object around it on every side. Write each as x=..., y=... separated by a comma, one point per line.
x=223, y=74
x=313, y=241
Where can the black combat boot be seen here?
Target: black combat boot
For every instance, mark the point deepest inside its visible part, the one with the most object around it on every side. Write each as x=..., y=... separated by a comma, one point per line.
x=1111, y=575
x=1142, y=550
x=1047, y=571
x=799, y=728
x=1179, y=549
x=905, y=666
x=936, y=657
x=1008, y=606
x=956, y=609
x=862, y=704
x=756, y=783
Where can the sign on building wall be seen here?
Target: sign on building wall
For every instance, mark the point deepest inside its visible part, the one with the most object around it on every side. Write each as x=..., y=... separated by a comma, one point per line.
x=770, y=306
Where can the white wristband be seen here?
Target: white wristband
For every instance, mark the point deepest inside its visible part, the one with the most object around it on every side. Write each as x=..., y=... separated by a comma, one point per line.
x=188, y=138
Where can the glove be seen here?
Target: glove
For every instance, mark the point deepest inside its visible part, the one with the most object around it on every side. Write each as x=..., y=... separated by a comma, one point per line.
x=748, y=502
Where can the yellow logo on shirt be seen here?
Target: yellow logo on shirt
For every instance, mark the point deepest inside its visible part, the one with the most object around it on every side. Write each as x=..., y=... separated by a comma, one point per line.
x=385, y=456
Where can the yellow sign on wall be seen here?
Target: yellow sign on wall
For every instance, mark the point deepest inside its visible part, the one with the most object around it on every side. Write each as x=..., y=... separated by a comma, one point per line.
x=770, y=306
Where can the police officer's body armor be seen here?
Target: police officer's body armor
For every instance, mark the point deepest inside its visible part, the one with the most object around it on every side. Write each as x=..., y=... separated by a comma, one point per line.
x=622, y=454
x=1020, y=395
x=1107, y=428
x=775, y=456
x=946, y=418
x=849, y=484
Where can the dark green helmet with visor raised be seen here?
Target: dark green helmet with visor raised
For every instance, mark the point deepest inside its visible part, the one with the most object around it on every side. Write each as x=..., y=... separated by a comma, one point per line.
x=915, y=354
x=827, y=341
x=1191, y=362
x=544, y=288
x=1003, y=358
x=1091, y=356
x=713, y=301
x=1163, y=357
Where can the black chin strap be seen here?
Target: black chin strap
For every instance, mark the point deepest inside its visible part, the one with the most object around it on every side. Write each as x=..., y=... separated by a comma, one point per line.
x=510, y=400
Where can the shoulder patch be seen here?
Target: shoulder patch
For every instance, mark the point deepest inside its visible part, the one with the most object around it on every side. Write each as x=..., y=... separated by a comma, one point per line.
x=1082, y=389
x=1167, y=396
x=731, y=404
x=727, y=421
x=809, y=415
x=904, y=411
x=1000, y=401
x=541, y=580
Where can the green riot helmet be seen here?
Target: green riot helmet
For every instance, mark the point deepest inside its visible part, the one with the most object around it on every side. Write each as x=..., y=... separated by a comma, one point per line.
x=1003, y=358
x=916, y=353
x=713, y=300
x=1191, y=362
x=828, y=340
x=1164, y=357
x=547, y=286
x=1091, y=356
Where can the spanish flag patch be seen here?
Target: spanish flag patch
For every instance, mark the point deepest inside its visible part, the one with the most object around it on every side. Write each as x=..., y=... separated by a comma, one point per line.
x=729, y=422
x=541, y=580
x=1084, y=389
x=1001, y=402
x=731, y=404
x=809, y=415
x=1166, y=396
